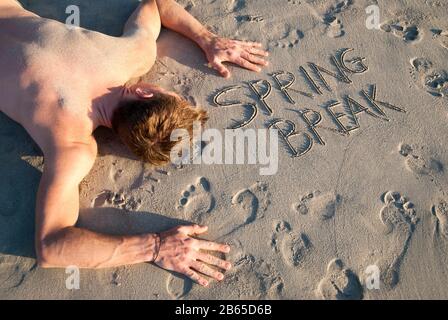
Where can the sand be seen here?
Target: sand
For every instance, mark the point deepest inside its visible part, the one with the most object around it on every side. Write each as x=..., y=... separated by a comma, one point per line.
x=372, y=195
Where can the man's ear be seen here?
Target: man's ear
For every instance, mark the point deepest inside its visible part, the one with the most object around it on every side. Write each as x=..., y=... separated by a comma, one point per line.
x=144, y=94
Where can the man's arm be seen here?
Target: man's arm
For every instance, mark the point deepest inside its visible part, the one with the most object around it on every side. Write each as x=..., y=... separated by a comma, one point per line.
x=218, y=50
x=173, y=16
x=59, y=243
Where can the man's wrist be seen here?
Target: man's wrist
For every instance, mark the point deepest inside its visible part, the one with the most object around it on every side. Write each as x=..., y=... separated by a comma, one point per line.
x=157, y=244
x=151, y=246
x=204, y=38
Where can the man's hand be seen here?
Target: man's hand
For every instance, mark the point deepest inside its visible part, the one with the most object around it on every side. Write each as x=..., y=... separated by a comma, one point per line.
x=181, y=253
x=245, y=54
x=218, y=50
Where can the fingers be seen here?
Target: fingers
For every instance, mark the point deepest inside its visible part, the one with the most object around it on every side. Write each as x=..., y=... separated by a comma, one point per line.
x=249, y=43
x=213, y=246
x=218, y=66
x=192, y=230
x=254, y=59
x=195, y=277
x=258, y=52
x=247, y=64
x=254, y=48
x=215, y=261
x=204, y=269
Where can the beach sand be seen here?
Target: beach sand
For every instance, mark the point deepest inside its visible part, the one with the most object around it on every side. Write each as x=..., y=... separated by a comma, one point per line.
x=373, y=195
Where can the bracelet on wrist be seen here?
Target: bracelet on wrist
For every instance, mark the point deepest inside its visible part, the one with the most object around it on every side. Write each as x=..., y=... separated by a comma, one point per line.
x=157, y=244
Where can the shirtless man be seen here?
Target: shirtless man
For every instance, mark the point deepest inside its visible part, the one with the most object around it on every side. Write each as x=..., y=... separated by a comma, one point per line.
x=62, y=83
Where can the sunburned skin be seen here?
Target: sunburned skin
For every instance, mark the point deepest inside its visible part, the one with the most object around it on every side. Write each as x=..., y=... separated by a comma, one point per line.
x=61, y=84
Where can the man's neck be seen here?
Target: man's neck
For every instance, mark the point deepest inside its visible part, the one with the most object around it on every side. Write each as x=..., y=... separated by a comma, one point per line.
x=105, y=105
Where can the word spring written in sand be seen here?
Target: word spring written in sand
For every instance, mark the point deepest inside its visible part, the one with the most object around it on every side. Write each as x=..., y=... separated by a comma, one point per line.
x=345, y=115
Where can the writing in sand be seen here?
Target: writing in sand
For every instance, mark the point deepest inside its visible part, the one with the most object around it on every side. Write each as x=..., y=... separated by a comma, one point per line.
x=343, y=113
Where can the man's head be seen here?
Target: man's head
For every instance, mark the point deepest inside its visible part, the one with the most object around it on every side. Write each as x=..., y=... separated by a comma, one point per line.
x=145, y=122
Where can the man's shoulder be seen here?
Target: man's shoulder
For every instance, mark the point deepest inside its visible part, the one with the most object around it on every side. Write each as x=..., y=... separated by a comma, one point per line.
x=70, y=161
x=57, y=128
x=82, y=149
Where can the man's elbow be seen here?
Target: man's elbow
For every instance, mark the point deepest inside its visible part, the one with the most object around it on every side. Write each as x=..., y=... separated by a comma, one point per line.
x=44, y=256
x=43, y=262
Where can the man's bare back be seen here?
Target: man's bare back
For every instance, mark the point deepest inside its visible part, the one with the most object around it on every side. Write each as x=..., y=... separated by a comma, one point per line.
x=60, y=84
x=52, y=73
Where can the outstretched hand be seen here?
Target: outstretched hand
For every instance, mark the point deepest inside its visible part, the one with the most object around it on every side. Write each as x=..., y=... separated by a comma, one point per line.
x=181, y=253
x=248, y=55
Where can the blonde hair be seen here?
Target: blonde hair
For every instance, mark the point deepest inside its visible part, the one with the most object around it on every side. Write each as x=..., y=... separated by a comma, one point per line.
x=145, y=126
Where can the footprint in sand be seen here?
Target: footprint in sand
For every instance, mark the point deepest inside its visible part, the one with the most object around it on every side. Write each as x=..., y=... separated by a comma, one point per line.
x=14, y=270
x=339, y=283
x=248, y=205
x=434, y=81
x=237, y=5
x=441, y=212
x=178, y=286
x=334, y=27
x=332, y=7
x=323, y=206
x=197, y=202
x=108, y=198
x=252, y=279
x=249, y=18
x=338, y=7
x=410, y=33
x=419, y=161
x=115, y=173
x=399, y=218
x=290, y=39
x=237, y=251
x=293, y=247
x=441, y=36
